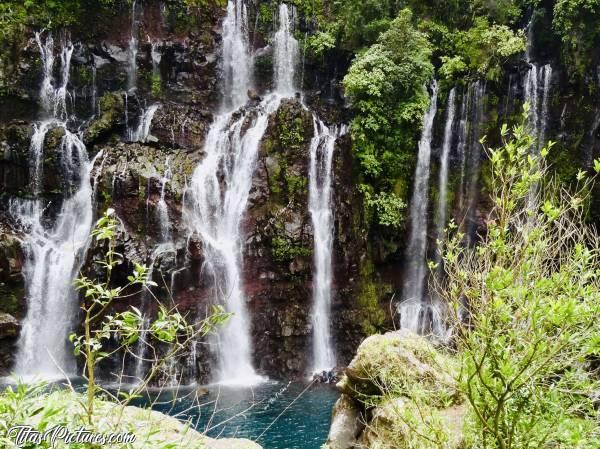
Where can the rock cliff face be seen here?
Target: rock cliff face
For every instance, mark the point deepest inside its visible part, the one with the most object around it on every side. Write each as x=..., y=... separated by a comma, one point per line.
x=177, y=68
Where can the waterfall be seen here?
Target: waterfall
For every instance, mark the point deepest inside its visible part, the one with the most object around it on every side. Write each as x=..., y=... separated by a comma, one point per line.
x=163, y=211
x=418, y=311
x=54, y=253
x=237, y=59
x=321, y=212
x=537, y=81
x=132, y=51
x=286, y=53
x=417, y=247
x=142, y=132
x=442, y=205
x=469, y=152
x=156, y=56
x=537, y=92
x=216, y=199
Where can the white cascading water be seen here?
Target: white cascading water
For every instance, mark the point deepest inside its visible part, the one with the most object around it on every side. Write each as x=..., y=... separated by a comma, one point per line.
x=538, y=82
x=142, y=132
x=132, y=50
x=237, y=59
x=469, y=152
x=286, y=53
x=156, y=57
x=442, y=205
x=418, y=311
x=163, y=211
x=321, y=211
x=54, y=253
x=417, y=247
x=216, y=199
x=536, y=87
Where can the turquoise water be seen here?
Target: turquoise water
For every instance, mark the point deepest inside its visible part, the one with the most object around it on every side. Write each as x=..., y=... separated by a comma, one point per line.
x=276, y=415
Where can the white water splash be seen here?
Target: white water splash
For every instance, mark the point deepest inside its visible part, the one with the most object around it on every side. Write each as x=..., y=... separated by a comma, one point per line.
x=321, y=211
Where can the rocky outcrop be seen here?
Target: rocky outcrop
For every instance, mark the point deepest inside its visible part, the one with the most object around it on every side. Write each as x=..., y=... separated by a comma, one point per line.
x=11, y=293
x=397, y=391
x=151, y=428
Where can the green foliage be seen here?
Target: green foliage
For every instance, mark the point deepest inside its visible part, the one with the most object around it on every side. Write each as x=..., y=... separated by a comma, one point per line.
x=320, y=43
x=388, y=207
x=577, y=22
x=385, y=85
x=525, y=304
x=284, y=250
x=482, y=50
x=126, y=327
x=44, y=407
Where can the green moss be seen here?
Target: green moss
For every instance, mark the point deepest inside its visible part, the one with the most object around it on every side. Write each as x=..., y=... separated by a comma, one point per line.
x=284, y=250
x=10, y=298
x=367, y=299
x=112, y=107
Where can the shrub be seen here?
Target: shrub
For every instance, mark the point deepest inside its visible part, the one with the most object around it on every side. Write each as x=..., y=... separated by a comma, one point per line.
x=525, y=306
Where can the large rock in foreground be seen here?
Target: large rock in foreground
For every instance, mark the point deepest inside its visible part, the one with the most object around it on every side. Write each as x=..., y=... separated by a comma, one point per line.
x=398, y=393
x=152, y=429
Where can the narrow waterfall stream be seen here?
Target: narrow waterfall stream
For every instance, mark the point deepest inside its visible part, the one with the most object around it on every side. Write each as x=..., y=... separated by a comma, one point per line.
x=132, y=50
x=537, y=85
x=54, y=252
x=142, y=131
x=320, y=207
x=442, y=204
x=415, y=303
x=218, y=193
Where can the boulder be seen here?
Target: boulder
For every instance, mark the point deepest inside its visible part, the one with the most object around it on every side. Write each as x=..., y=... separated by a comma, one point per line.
x=346, y=424
x=399, y=361
x=8, y=326
x=151, y=428
x=403, y=389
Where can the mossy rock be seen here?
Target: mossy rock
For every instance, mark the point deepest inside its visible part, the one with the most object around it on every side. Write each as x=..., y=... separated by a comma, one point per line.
x=400, y=423
x=405, y=392
x=400, y=363
x=112, y=107
x=152, y=429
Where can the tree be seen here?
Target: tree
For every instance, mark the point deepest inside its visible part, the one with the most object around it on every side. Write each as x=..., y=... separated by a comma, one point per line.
x=385, y=85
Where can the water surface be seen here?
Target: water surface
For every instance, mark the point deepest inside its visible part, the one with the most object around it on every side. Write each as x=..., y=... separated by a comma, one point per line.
x=276, y=415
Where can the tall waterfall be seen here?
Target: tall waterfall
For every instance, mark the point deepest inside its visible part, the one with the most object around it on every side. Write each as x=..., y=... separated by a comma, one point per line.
x=216, y=199
x=321, y=211
x=237, y=57
x=537, y=86
x=420, y=312
x=132, y=50
x=442, y=205
x=417, y=247
x=54, y=253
